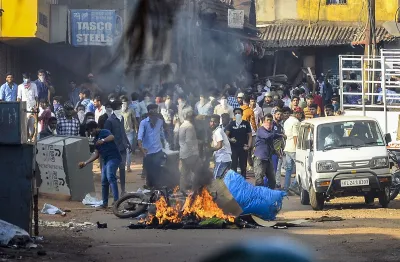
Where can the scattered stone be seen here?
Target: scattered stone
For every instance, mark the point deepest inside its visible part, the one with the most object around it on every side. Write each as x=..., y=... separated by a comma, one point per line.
x=41, y=253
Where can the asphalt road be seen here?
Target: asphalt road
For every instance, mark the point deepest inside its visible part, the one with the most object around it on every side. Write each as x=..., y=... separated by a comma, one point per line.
x=366, y=234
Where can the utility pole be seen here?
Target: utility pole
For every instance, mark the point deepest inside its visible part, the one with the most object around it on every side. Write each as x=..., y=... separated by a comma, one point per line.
x=370, y=47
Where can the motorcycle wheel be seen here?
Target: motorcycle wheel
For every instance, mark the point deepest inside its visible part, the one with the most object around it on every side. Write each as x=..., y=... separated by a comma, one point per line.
x=130, y=209
x=395, y=187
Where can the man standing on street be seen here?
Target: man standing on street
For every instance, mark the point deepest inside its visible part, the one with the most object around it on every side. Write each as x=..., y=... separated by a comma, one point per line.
x=263, y=166
x=74, y=93
x=221, y=147
x=291, y=128
x=109, y=152
x=150, y=140
x=9, y=90
x=279, y=144
x=188, y=151
x=239, y=134
x=131, y=128
x=100, y=109
x=68, y=125
x=42, y=87
x=115, y=124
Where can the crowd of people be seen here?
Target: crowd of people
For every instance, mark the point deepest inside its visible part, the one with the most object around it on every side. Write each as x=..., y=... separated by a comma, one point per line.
x=249, y=128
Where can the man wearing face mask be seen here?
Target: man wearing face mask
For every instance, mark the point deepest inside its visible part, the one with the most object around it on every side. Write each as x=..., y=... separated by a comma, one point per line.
x=43, y=116
x=169, y=112
x=115, y=123
x=150, y=140
x=240, y=137
x=42, y=88
x=58, y=108
x=267, y=104
x=103, y=118
x=143, y=104
x=223, y=107
x=50, y=130
x=80, y=114
x=131, y=128
x=202, y=107
x=68, y=125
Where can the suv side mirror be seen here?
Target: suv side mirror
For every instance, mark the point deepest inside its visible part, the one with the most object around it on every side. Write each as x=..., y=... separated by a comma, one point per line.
x=388, y=138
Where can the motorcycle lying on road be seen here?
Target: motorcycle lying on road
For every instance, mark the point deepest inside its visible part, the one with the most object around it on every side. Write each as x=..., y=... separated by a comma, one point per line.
x=395, y=187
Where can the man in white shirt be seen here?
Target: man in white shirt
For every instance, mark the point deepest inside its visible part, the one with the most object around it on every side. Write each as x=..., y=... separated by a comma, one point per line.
x=221, y=147
x=291, y=128
x=27, y=92
x=391, y=97
x=100, y=109
x=188, y=151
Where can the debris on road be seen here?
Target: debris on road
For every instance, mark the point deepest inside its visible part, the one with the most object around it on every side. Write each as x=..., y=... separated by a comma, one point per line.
x=276, y=224
x=72, y=224
x=91, y=201
x=327, y=219
x=52, y=210
x=12, y=235
x=101, y=225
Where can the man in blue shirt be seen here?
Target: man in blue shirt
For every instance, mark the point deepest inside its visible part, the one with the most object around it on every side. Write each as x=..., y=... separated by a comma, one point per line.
x=9, y=90
x=42, y=87
x=74, y=93
x=85, y=101
x=150, y=140
x=108, y=150
x=263, y=166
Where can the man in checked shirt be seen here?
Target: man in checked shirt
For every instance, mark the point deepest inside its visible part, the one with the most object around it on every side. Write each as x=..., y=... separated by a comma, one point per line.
x=68, y=125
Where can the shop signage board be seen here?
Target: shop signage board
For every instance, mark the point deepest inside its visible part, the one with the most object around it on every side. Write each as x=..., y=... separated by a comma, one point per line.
x=92, y=27
x=235, y=18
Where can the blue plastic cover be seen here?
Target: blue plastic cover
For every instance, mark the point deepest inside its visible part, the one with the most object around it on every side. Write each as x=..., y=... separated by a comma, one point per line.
x=258, y=200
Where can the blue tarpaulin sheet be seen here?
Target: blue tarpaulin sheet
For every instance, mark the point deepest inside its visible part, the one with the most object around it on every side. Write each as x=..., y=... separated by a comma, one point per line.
x=257, y=200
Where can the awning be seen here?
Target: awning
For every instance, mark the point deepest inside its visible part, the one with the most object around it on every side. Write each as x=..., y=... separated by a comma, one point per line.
x=304, y=35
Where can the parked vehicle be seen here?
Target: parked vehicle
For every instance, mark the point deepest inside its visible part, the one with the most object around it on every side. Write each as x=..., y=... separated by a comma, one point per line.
x=395, y=169
x=342, y=156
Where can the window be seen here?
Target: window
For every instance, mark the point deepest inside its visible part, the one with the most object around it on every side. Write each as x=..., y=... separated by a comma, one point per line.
x=336, y=2
x=349, y=134
x=43, y=20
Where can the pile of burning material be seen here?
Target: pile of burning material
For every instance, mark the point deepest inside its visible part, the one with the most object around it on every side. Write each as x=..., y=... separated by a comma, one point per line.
x=196, y=211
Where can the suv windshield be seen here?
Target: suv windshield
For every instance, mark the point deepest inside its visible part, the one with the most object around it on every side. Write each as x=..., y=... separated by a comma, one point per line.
x=348, y=134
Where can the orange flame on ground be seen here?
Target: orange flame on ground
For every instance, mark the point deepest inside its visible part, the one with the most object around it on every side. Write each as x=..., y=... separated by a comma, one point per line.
x=203, y=206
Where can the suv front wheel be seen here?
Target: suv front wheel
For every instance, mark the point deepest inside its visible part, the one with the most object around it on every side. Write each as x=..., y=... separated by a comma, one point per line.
x=384, y=197
x=317, y=200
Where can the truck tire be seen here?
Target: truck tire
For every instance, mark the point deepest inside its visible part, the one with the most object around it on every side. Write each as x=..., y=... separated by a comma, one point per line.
x=304, y=197
x=384, y=197
x=317, y=200
x=369, y=199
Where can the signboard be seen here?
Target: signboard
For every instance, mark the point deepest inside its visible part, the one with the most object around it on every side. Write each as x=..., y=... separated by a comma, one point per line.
x=92, y=27
x=50, y=161
x=235, y=18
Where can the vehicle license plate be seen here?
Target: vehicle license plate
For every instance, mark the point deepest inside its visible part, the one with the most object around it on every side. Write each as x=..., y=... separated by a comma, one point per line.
x=354, y=182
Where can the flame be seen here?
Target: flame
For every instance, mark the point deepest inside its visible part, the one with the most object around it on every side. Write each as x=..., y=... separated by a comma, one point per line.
x=202, y=206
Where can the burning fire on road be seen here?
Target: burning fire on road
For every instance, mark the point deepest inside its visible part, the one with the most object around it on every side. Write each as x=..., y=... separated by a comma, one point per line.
x=196, y=211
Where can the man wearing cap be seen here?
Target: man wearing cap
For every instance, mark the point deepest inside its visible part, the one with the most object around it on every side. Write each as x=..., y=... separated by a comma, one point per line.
x=240, y=97
x=91, y=85
x=115, y=124
x=291, y=128
x=267, y=104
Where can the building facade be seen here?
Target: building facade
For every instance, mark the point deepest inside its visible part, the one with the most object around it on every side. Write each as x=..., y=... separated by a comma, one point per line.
x=312, y=33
